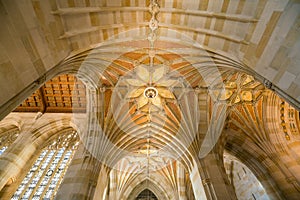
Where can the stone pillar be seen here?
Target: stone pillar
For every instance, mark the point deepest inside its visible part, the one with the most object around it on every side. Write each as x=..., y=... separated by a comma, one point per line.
x=81, y=179
x=208, y=175
x=13, y=160
x=113, y=185
x=101, y=192
x=214, y=179
x=198, y=188
x=181, y=181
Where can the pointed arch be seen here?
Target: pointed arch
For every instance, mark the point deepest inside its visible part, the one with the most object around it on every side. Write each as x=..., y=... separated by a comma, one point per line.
x=157, y=190
x=147, y=194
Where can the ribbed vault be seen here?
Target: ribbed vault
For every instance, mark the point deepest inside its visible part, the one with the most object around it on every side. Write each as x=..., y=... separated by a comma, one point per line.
x=205, y=64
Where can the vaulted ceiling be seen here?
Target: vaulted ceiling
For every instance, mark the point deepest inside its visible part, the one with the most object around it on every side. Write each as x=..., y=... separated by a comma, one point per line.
x=99, y=57
x=38, y=35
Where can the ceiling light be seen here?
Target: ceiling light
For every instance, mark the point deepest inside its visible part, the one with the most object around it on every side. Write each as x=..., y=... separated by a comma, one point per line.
x=150, y=92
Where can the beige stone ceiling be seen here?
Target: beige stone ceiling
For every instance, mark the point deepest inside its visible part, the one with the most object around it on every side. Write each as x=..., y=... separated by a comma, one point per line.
x=37, y=35
x=233, y=34
x=105, y=44
x=255, y=32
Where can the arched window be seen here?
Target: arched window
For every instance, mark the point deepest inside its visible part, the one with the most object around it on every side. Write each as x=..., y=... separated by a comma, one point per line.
x=46, y=174
x=146, y=195
x=7, y=138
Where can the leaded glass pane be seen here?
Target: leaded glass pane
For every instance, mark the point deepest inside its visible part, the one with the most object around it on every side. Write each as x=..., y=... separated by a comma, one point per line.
x=46, y=174
x=3, y=149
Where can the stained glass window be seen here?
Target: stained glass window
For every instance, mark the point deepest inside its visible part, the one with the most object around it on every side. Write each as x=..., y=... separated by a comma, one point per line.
x=46, y=174
x=7, y=139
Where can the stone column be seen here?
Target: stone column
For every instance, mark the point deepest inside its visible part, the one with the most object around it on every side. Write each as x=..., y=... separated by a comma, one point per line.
x=13, y=160
x=208, y=174
x=81, y=179
x=181, y=181
x=113, y=185
x=197, y=185
x=213, y=178
x=102, y=187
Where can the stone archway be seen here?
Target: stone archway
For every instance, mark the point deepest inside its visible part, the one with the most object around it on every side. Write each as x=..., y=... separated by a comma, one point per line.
x=148, y=184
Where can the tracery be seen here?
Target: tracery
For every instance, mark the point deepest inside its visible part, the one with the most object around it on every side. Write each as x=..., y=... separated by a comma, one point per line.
x=43, y=179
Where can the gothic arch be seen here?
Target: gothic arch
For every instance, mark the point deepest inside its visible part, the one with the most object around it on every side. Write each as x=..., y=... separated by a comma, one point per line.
x=9, y=128
x=11, y=122
x=159, y=192
x=256, y=160
x=89, y=41
x=283, y=121
x=42, y=137
x=31, y=141
x=158, y=184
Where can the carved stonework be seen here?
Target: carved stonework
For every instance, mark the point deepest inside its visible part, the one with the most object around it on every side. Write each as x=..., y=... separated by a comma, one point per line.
x=268, y=84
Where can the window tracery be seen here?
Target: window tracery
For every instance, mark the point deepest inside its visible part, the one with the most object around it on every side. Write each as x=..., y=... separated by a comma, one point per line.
x=46, y=174
x=6, y=139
